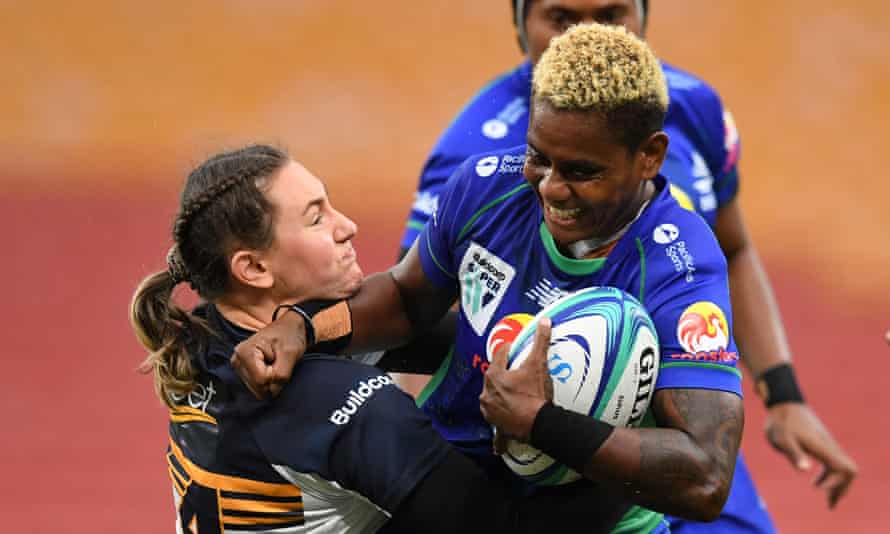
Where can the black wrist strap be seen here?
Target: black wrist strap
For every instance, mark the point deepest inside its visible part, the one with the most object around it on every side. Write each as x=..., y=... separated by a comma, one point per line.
x=307, y=320
x=778, y=385
x=569, y=437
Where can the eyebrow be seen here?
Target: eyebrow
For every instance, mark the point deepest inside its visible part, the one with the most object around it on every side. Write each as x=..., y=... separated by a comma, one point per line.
x=590, y=164
x=315, y=202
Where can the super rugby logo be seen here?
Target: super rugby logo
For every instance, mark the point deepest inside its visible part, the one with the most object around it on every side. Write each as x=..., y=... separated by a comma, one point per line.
x=484, y=279
x=703, y=332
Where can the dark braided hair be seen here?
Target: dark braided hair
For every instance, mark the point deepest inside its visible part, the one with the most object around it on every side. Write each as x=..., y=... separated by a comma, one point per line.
x=222, y=207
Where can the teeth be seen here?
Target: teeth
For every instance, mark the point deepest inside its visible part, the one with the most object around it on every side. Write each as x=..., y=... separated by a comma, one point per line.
x=564, y=214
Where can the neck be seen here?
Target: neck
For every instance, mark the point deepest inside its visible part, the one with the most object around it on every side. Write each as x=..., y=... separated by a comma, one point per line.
x=597, y=247
x=246, y=312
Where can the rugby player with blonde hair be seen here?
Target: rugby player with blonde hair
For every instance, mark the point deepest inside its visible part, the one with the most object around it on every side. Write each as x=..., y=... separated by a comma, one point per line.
x=701, y=164
x=581, y=205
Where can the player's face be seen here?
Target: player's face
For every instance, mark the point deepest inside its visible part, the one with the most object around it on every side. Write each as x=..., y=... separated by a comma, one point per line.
x=311, y=255
x=589, y=184
x=547, y=19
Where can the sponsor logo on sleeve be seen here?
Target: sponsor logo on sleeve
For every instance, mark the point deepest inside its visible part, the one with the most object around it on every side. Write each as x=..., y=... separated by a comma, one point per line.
x=425, y=202
x=730, y=140
x=665, y=233
x=704, y=334
x=357, y=397
x=486, y=166
x=484, y=279
x=499, y=126
x=676, y=251
x=495, y=129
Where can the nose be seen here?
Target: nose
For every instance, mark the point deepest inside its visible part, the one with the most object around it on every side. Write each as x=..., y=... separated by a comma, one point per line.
x=345, y=229
x=553, y=188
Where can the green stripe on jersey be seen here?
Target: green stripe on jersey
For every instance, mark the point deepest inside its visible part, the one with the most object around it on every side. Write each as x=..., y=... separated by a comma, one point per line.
x=568, y=265
x=435, y=380
x=705, y=365
x=493, y=203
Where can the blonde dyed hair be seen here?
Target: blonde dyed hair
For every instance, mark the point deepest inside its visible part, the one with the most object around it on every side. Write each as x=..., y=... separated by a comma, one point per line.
x=599, y=68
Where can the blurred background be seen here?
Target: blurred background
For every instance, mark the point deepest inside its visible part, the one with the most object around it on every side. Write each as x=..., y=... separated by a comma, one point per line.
x=106, y=104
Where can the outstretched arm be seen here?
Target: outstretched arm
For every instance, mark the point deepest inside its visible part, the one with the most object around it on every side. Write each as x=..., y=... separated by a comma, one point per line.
x=683, y=467
x=791, y=427
x=388, y=309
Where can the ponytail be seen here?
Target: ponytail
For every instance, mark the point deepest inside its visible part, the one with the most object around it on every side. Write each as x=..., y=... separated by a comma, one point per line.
x=166, y=331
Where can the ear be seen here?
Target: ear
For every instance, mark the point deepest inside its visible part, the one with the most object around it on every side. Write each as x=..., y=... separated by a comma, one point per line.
x=652, y=152
x=250, y=269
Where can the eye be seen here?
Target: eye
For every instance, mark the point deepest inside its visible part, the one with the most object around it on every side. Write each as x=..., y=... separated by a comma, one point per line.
x=536, y=158
x=611, y=15
x=562, y=19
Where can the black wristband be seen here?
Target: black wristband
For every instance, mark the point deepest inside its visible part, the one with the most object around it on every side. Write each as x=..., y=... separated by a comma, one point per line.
x=307, y=320
x=569, y=437
x=778, y=385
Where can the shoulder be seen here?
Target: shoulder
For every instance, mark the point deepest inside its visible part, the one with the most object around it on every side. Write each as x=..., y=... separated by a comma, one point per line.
x=689, y=91
x=679, y=244
x=494, y=117
x=483, y=182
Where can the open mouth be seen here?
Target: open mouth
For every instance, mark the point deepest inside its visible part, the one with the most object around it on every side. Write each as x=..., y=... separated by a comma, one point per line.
x=562, y=215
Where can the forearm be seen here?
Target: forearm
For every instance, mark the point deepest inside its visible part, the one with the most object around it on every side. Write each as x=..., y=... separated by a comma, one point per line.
x=379, y=318
x=661, y=469
x=683, y=467
x=757, y=320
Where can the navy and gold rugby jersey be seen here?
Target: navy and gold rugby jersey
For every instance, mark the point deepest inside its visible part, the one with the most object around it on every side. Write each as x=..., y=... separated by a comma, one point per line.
x=324, y=456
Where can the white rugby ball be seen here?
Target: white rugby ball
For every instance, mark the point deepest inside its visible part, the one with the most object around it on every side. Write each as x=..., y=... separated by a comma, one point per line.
x=603, y=360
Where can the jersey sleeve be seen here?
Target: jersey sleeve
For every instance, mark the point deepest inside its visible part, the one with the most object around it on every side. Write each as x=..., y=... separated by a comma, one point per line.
x=436, y=243
x=689, y=304
x=724, y=147
x=351, y=425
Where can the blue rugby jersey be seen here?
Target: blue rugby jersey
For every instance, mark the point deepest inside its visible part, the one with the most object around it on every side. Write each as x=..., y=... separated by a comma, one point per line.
x=488, y=240
x=701, y=161
x=324, y=456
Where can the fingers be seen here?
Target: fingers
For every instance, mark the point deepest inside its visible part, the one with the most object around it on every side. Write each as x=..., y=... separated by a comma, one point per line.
x=788, y=445
x=835, y=484
x=887, y=337
x=252, y=363
x=838, y=469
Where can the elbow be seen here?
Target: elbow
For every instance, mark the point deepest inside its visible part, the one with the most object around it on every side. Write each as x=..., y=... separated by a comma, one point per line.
x=705, y=500
x=710, y=499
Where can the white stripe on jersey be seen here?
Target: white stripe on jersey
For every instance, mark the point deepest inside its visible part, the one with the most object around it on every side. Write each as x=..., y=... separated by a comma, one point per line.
x=331, y=509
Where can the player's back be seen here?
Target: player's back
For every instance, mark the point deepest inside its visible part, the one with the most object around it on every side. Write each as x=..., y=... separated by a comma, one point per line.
x=303, y=462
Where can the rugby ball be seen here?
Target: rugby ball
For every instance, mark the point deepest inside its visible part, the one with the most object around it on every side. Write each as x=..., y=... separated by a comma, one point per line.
x=603, y=361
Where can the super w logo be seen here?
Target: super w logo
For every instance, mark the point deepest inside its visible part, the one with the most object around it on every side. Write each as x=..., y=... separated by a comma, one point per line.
x=484, y=279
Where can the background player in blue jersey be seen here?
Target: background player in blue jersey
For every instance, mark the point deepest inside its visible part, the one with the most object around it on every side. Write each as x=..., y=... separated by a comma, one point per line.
x=342, y=449
x=582, y=205
x=702, y=165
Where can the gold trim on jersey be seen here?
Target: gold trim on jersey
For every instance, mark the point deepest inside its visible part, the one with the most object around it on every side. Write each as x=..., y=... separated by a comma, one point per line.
x=240, y=501
x=187, y=414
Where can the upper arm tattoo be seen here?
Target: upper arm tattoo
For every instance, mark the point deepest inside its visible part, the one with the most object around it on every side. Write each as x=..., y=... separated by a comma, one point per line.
x=713, y=420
